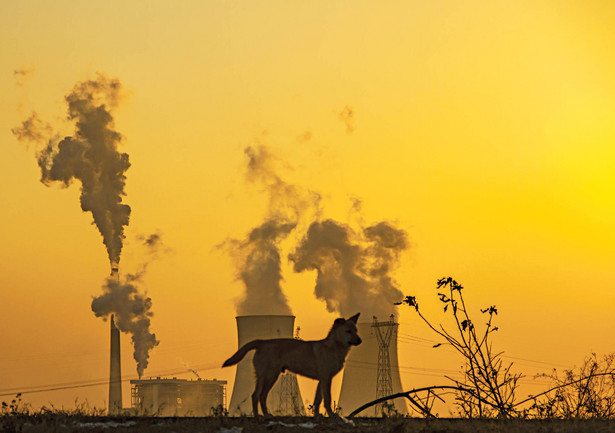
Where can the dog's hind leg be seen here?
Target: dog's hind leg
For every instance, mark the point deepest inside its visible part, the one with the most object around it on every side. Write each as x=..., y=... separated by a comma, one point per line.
x=257, y=391
x=268, y=381
x=317, y=400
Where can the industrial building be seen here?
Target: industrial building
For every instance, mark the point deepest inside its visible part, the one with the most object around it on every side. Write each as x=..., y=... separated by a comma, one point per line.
x=178, y=397
x=285, y=397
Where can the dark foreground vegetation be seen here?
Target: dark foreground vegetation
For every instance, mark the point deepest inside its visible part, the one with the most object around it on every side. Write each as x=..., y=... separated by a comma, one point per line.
x=63, y=423
x=489, y=385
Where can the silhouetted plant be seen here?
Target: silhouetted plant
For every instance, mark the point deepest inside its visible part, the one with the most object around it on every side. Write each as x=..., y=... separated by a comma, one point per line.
x=586, y=393
x=388, y=410
x=488, y=386
x=218, y=411
x=15, y=407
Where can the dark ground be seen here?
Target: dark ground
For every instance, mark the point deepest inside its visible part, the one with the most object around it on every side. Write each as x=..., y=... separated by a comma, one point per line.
x=51, y=422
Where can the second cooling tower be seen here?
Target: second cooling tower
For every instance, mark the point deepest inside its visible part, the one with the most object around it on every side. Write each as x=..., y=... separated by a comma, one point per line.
x=363, y=375
x=285, y=397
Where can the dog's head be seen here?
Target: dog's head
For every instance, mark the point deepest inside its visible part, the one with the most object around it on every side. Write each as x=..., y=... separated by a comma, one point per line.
x=345, y=330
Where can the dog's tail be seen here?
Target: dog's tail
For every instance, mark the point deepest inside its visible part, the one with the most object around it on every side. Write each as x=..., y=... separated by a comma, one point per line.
x=238, y=356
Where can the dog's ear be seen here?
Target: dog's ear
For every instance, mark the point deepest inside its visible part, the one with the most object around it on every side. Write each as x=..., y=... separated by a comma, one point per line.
x=354, y=318
x=339, y=321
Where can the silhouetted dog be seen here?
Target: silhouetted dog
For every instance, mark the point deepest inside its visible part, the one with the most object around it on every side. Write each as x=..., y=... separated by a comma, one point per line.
x=320, y=360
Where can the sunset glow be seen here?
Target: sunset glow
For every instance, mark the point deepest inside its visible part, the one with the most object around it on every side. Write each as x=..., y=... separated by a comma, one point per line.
x=484, y=131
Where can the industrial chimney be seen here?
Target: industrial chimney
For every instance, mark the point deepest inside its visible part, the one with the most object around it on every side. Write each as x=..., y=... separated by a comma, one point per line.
x=115, y=364
x=372, y=370
x=285, y=397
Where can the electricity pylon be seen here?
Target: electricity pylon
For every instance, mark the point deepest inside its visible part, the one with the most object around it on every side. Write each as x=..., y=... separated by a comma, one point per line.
x=384, y=387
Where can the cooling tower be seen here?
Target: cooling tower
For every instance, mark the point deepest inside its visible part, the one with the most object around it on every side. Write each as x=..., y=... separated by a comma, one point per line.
x=285, y=397
x=115, y=364
x=360, y=378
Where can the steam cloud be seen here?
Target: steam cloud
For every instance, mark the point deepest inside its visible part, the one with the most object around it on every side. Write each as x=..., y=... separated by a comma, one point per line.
x=257, y=257
x=353, y=269
x=132, y=315
x=90, y=156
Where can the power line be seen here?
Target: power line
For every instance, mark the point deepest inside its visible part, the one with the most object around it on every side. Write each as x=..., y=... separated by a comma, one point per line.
x=409, y=339
x=432, y=372
x=91, y=383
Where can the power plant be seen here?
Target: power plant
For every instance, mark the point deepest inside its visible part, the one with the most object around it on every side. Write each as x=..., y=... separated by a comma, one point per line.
x=372, y=370
x=352, y=270
x=178, y=397
x=285, y=397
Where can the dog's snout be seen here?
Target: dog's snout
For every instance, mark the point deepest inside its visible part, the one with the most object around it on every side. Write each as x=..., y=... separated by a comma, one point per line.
x=359, y=341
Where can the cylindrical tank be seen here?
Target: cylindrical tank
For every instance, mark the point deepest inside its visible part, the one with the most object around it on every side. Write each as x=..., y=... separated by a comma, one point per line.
x=359, y=380
x=285, y=397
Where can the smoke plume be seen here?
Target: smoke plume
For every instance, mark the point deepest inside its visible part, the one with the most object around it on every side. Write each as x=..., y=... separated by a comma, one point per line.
x=257, y=257
x=154, y=246
x=190, y=369
x=21, y=75
x=347, y=117
x=90, y=156
x=353, y=269
x=305, y=136
x=33, y=129
x=153, y=240
x=133, y=312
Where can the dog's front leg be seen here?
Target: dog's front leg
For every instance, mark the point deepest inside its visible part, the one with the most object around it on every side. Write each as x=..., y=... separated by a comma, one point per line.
x=325, y=387
x=317, y=399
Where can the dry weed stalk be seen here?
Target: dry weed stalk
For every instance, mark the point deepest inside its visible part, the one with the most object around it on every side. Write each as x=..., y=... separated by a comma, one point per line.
x=488, y=386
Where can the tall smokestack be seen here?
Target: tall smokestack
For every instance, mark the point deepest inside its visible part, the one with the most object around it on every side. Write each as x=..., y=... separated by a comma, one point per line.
x=360, y=379
x=285, y=397
x=115, y=362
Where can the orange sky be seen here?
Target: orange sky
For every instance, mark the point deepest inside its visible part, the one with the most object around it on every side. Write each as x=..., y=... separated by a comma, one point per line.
x=486, y=131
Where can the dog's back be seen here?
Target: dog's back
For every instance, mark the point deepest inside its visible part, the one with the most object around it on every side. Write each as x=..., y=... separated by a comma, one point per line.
x=306, y=358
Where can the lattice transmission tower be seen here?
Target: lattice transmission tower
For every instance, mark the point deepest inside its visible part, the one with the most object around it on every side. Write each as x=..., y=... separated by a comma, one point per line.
x=384, y=386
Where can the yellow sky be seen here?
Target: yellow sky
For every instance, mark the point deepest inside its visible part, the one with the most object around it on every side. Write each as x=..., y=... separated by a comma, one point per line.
x=485, y=129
